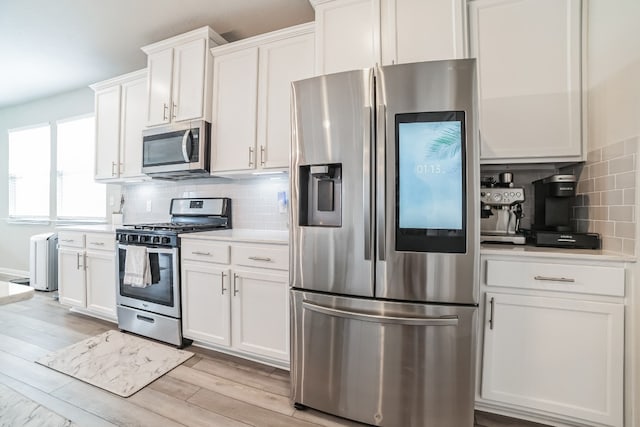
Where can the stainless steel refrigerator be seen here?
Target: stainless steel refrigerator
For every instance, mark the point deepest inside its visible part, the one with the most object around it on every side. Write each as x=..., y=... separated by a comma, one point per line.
x=384, y=244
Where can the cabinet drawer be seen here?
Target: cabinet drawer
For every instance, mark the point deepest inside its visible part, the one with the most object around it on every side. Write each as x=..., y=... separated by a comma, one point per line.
x=102, y=241
x=579, y=278
x=276, y=257
x=199, y=250
x=71, y=239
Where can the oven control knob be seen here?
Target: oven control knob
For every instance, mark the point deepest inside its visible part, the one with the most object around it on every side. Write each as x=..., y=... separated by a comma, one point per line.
x=131, y=238
x=165, y=240
x=156, y=239
x=144, y=238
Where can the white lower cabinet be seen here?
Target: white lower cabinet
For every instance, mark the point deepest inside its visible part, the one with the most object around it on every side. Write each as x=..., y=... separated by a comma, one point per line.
x=235, y=297
x=87, y=273
x=553, y=353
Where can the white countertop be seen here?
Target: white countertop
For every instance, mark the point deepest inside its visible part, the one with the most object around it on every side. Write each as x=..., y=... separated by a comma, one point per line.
x=90, y=228
x=540, y=252
x=241, y=235
x=11, y=292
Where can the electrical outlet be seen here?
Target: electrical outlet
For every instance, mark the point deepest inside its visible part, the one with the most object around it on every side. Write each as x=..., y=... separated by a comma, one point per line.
x=148, y=205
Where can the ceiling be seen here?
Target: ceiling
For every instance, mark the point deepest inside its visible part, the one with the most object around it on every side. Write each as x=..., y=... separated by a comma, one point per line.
x=49, y=47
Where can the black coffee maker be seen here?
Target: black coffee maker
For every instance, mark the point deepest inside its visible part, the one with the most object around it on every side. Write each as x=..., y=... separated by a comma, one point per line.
x=554, y=198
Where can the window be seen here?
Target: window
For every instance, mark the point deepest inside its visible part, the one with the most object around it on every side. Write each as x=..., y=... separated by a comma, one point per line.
x=29, y=171
x=79, y=197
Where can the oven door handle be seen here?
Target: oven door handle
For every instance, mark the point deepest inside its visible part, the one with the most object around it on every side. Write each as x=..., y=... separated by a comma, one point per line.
x=153, y=250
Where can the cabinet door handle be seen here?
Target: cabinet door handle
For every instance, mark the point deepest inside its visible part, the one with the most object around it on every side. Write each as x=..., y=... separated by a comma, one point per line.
x=222, y=276
x=262, y=155
x=174, y=111
x=491, y=307
x=165, y=110
x=250, y=156
x=201, y=253
x=235, y=284
x=260, y=258
x=554, y=279
x=97, y=243
x=84, y=261
x=77, y=260
x=113, y=167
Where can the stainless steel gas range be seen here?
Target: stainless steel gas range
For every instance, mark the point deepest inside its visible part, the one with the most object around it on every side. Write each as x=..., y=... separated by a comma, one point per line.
x=152, y=306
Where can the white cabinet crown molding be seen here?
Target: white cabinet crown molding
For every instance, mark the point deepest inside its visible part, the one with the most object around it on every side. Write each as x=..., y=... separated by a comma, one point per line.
x=262, y=39
x=124, y=78
x=200, y=33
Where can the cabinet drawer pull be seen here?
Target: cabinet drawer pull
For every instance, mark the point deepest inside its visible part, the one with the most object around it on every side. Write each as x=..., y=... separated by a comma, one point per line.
x=97, y=243
x=67, y=240
x=260, y=258
x=201, y=253
x=554, y=279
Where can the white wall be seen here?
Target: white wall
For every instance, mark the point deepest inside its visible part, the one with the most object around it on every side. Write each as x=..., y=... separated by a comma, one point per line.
x=613, y=81
x=14, y=244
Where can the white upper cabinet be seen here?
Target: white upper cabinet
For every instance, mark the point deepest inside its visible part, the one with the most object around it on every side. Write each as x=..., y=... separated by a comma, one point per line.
x=120, y=106
x=422, y=30
x=347, y=35
x=529, y=59
x=180, y=76
x=353, y=34
x=251, y=99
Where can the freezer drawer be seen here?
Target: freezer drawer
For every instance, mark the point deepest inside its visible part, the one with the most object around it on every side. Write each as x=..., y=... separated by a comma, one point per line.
x=384, y=363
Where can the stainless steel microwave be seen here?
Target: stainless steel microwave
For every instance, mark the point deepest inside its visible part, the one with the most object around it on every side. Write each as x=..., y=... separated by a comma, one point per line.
x=178, y=151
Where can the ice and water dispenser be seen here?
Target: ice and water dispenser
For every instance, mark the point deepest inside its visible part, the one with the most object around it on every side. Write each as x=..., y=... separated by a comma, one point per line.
x=321, y=195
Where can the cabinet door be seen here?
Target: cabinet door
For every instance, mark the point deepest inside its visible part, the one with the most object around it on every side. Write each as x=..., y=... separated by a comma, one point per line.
x=528, y=54
x=281, y=63
x=556, y=355
x=347, y=35
x=107, y=105
x=134, y=97
x=160, y=67
x=188, y=80
x=101, y=282
x=206, y=303
x=260, y=313
x=235, y=92
x=71, y=284
x=421, y=30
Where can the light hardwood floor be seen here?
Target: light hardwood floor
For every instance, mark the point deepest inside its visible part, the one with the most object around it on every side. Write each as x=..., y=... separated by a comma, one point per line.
x=210, y=389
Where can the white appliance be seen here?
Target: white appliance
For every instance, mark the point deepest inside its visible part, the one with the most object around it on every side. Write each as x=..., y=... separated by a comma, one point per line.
x=43, y=262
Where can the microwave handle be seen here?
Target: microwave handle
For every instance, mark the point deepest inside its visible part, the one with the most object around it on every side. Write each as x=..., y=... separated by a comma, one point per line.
x=186, y=152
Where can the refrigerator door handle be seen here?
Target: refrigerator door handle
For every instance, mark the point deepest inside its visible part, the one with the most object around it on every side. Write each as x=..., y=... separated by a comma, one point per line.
x=415, y=321
x=381, y=158
x=366, y=182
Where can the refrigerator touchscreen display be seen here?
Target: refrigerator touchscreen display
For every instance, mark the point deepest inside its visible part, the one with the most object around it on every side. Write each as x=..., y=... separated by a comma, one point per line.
x=430, y=202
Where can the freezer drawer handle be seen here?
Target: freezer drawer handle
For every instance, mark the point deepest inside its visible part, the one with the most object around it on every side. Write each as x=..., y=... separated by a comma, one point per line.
x=201, y=253
x=418, y=321
x=555, y=279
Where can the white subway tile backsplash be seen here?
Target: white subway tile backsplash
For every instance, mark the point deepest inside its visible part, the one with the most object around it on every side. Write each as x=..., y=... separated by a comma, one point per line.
x=606, y=195
x=626, y=180
x=254, y=202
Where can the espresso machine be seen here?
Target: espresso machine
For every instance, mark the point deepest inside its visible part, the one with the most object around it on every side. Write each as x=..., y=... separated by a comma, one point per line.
x=501, y=210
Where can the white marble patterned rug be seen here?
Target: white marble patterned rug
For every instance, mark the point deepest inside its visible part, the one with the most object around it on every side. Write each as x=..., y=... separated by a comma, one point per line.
x=18, y=410
x=116, y=362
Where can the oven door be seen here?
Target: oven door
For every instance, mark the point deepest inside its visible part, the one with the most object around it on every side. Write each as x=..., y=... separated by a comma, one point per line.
x=163, y=295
